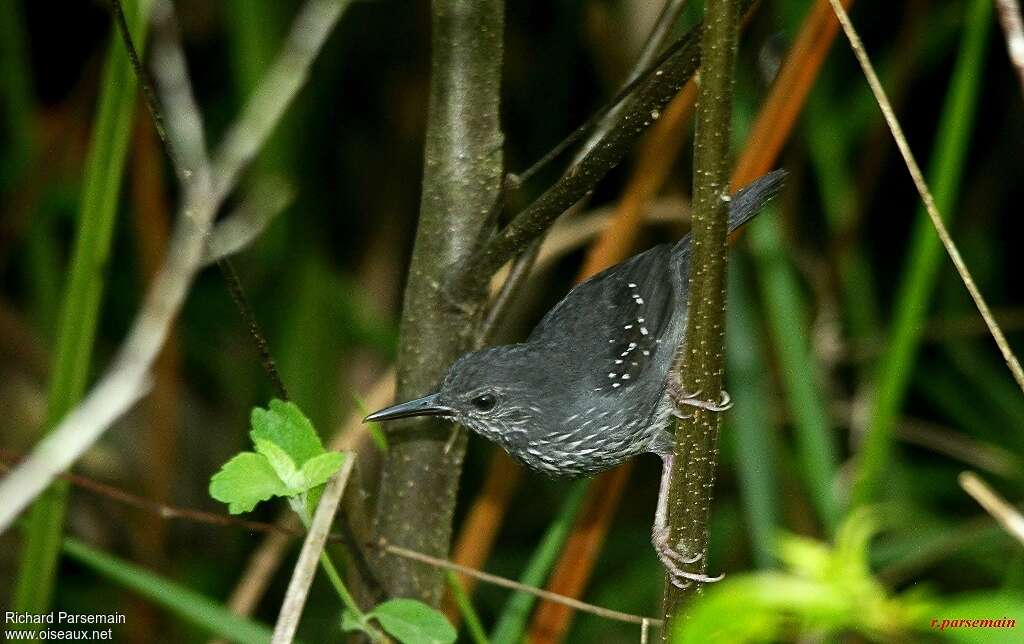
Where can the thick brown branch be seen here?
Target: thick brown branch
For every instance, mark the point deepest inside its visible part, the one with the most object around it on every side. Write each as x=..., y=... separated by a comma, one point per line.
x=462, y=182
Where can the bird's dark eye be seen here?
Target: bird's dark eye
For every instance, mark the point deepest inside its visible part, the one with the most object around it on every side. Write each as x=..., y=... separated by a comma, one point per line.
x=484, y=402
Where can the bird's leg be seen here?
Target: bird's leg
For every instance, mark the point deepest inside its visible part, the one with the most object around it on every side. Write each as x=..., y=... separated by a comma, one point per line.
x=673, y=559
x=682, y=399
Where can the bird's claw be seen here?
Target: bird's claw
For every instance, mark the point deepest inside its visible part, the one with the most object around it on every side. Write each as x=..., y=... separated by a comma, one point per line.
x=673, y=560
x=681, y=399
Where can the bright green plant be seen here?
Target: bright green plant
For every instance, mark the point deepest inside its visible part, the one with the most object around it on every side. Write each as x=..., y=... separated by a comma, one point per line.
x=407, y=620
x=826, y=590
x=291, y=462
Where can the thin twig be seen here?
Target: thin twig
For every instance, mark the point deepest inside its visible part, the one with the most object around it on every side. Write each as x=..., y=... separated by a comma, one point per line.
x=508, y=292
x=309, y=556
x=144, y=83
x=249, y=220
x=163, y=510
x=1013, y=29
x=240, y=228
x=926, y=195
x=184, y=119
x=569, y=235
x=189, y=146
x=1008, y=516
x=272, y=97
x=601, y=121
x=650, y=56
x=956, y=444
x=606, y=613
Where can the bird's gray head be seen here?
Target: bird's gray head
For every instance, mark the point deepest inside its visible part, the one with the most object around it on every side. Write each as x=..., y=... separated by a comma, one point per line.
x=490, y=391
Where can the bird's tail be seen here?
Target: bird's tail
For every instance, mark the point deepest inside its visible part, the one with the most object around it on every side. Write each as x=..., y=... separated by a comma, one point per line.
x=752, y=197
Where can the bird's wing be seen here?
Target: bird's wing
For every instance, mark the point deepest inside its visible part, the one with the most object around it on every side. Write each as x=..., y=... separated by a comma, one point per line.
x=623, y=320
x=631, y=317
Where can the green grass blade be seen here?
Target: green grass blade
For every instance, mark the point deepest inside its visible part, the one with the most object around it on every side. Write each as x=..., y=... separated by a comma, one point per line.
x=100, y=193
x=15, y=95
x=187, y=604
x=469, y=616
x=752, y=433
x=254, y=34
x=944, y=391
x=511, y=624
x=785, y=310
x=911, y=304
x=828, y=152
x=992, y=387
x=309, y=345
x=255, y=31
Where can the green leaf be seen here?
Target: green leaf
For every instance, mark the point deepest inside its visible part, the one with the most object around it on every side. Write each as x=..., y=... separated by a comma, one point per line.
x=286, y=426
x=827, y=590
x=244, y=481
x=413, y=622
x=350, y=622
x=511, y=624
x=474, y=626
x=316, y=471
x=283, y=464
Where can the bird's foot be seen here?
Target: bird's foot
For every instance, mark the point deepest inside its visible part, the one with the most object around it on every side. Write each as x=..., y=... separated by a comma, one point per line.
x=682, y=399
x=674, y=560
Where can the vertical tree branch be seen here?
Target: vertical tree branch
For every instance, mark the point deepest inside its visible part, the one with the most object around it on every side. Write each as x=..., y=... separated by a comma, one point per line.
x=461, y=183
x=703, y=347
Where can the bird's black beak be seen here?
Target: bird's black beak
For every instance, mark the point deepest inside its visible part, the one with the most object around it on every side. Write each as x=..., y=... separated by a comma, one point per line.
x=425, y=406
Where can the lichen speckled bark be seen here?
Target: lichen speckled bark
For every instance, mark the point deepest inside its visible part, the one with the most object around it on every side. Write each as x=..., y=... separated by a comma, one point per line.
x=693, y=477
x=461, y=185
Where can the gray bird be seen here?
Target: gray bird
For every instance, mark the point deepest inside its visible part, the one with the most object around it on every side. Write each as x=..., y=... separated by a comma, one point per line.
x=595, y=383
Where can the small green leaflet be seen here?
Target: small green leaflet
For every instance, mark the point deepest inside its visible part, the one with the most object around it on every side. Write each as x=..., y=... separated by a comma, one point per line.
x=350, y=622
x=319, y=469
x=413, y=622
x=246, y=480
x=289, y=460
x=286, y=426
